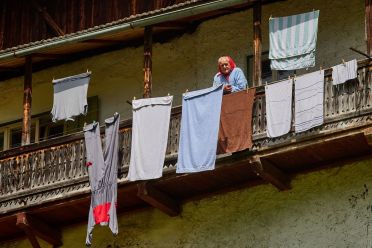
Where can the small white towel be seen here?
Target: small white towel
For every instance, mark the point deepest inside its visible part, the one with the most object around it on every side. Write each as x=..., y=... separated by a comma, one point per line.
x=344, y=72
x=278, y=108
x=309, y=95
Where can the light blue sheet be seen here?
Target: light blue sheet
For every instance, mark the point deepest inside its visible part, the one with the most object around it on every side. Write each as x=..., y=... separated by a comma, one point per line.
x=201, y=111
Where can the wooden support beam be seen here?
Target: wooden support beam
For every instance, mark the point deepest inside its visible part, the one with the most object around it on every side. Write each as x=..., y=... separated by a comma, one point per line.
x=27, y=99
x=48, y=19
x=368, y=135
x=36, y=228
x=270, y=173
x=105, y=42
x=147, y=64
x=158, y=199
x=368, y=23
x=257, y=41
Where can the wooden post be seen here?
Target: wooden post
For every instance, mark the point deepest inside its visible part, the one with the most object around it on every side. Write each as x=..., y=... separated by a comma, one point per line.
x=257, y=40
x=368, y=25
x=147, y=64
x=27, y=98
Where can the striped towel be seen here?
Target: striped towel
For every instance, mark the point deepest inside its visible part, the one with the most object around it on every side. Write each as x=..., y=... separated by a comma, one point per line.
x=344, y=72
x=278, y=108
x=293, y=41
x=309, y=91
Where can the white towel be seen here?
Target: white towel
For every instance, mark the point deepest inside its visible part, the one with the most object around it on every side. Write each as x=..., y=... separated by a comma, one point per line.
x=309, y=95
x=70, y=97
x=151, y=118
x=278, y=108
x=344, y=72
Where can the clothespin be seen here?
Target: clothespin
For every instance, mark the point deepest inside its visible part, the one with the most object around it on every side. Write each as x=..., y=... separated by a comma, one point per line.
x=134, y=98
x=343, y=61
x=265, y=83
x=168, y=94
x=271, y=17
x=187, y=90
x=85, y=124
x=87, y=70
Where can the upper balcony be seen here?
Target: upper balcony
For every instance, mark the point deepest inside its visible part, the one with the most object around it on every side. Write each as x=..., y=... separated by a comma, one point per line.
x=45, y=178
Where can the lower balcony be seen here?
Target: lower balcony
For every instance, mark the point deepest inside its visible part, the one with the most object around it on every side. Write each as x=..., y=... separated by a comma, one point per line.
x=48, y=181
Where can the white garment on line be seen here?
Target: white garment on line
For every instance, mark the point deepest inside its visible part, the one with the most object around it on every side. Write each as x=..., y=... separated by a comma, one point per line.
x=344, y=72
x=70, y=97
x=309, y=95
x=151, y=117
x=278, y=108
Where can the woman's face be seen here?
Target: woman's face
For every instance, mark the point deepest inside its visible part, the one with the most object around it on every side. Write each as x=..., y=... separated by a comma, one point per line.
x=224, y=65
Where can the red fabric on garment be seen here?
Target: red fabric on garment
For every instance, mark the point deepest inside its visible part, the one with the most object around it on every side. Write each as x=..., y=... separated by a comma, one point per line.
x=100, y=213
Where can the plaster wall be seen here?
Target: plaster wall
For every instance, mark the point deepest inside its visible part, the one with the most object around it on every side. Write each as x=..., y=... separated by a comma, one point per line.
x=189, y=61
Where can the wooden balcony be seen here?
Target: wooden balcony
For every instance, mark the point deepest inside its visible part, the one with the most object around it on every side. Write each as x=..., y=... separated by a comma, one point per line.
x=49, y=180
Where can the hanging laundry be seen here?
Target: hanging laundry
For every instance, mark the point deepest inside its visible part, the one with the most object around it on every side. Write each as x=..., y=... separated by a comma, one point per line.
x=278, y=108
x=201, y=111
x=309, y=95
x=344, y=72
x=293, y=41
x=70, y=97
x=235, y=132
x=151, y=117
x=102, y=170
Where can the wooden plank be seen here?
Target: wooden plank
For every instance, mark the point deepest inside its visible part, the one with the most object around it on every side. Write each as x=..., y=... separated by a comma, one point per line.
x=27, y=99
x=257, y=40
x=158, y=199
x=368, y=23
x=270, y=173
x=34, y=227
x=147, y=64
x=48, y=19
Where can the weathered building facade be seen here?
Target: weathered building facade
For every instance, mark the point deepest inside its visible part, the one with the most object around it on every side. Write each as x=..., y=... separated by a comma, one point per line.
x=46, y=181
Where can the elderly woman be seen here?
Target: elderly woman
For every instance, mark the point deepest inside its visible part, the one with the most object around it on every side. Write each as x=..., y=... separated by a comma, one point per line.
x=229, y=75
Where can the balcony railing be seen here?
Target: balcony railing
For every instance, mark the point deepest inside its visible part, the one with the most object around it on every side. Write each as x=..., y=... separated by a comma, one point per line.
x=55, y=169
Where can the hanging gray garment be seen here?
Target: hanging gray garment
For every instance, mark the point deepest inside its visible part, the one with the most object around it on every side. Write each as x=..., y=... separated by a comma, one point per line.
x=70, y=97
x=102, y=170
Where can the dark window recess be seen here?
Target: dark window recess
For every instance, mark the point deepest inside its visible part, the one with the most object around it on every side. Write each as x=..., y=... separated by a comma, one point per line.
x=49, y=129
x=16, y=136
x=267, y=74
x=2, y=141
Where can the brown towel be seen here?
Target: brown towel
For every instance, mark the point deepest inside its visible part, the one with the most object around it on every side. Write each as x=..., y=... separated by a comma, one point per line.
x=235, y=132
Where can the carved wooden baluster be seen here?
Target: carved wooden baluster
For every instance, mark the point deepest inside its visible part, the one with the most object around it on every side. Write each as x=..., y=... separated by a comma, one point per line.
x=362, y=99
x=69, y=160
x=176, y=133
x=263, y=115
x=74, y=160
x=368, y=87
x=254, y=117
x=34, y=178
x=84, y=170
x=48, y=160
x=326, y=98
x=53, y=165
x=127, y=145
x=2, y=189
